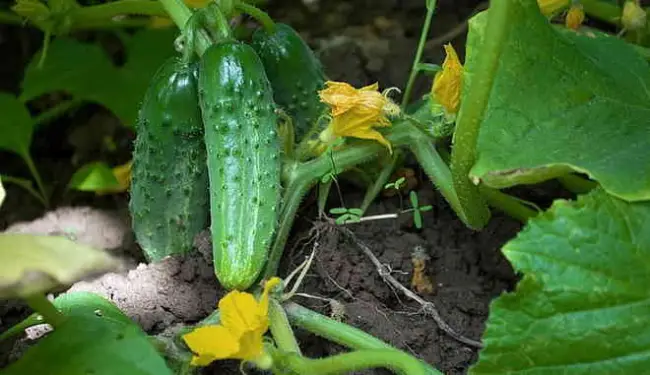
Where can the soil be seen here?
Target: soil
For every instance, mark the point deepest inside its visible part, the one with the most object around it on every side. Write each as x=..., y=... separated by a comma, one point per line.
x=360, y=42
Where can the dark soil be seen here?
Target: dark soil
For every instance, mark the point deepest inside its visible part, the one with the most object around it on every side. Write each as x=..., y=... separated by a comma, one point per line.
x=360, y=42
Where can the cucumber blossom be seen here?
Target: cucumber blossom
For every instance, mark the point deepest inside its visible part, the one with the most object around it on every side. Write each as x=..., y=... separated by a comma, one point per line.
x=295, y=73
x=169, y=186
x=243, y=160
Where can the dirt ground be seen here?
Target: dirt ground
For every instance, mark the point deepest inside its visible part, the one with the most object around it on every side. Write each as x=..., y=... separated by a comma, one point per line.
x=360, y=42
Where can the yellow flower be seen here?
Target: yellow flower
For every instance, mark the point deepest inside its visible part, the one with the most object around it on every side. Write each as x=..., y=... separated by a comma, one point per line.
x=574, y=17
x=356, y=112
x=550, y=7
x=448, y=82
x=239, y=336
x=122, y=174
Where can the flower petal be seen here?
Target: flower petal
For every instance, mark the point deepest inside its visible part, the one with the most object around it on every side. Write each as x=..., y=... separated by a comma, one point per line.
x=210, y=343
x=239, y=312
x=251, y=346
x=372, y=134
x=448, y=82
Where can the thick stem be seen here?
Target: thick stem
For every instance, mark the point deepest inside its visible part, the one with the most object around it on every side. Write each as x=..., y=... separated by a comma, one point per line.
x=110, y=10
x=37, y=177
x=424, y=34
x=281, y=330
x=337, y=332
x=603, y=10
x=292, y=198
x=261, y=17
x=438, y=173
x=510, y=205
x=399, y=362
x=463, y=154
x=51, y=315
x=577, y=184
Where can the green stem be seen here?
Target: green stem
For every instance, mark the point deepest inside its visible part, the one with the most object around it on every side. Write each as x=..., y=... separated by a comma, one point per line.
x=438, y=173
x=291, y=202
x=336, y=331
x=19, y=328
x=221, y=22
x=323, y=193
x=424, y=34
x=25, y=184
x=577, y=184
x=603, y=10
x=463, y=154
x=113, y=9
x=10, y=18
x=399, y=362
x=180, y=14
x=510, y=205
x=281, y=330
x=380, y=182
x=56, y=111
x=37, y=177
x=51, y=315
x=261, y=16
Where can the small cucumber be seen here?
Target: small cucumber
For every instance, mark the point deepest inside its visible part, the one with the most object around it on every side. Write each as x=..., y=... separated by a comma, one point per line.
x=169, y=183
x=243, y=160
x=295, y=73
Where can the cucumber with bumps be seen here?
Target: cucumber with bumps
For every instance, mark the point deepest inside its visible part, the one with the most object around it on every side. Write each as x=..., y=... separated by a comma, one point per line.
x=169, y=183
x=295, y=73
x=243, y=160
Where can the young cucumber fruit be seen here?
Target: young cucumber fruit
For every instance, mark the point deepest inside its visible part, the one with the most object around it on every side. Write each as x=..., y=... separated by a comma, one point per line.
x=296, y=75
x=243, y=160
x=169, y=186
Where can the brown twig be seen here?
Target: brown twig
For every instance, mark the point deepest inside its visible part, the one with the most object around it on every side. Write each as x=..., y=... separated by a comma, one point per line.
x=428, y=307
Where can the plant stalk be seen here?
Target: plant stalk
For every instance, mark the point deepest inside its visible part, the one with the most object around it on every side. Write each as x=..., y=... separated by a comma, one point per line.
x=180, y=14
x=280, y=328
x=397, y=361
x=338, y=332
x=463, y=154
x=56, y=111
x=259, y=15
x=424, y=34
x=37, y=177
x=510, y=205
x=51, y=315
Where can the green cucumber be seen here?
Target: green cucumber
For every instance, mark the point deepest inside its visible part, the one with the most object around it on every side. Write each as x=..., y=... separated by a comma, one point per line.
x=169, y=183
x=243, y=160
x=295, y=73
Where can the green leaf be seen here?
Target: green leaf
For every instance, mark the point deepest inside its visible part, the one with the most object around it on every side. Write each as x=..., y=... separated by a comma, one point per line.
x=95, y=339
x=356, y=211
x=431, y=69
x=583, y=304
x=413, y=197
x=84, y=71
x=16, y=125
x=32, y=264
x=94, y=177
x=338, y=210
x=342, y=219
x=563, y=101
x=425, y=208
x=417, y=219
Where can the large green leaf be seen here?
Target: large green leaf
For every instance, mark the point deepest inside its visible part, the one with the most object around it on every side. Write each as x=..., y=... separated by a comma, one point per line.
x=95, y=339
x=583, y=306
x=16, y=125
x=36, y=263
x=84, y=71
x=562, y=101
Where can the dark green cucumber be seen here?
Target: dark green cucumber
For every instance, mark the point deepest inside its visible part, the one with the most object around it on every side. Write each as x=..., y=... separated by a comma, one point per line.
x=243, y=160
x=169, y=183
x=295, y=73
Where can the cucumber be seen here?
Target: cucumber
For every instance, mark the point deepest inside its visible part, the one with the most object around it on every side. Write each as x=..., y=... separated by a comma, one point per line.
x=243, y=160
x=169, y=183
x=295, y=73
